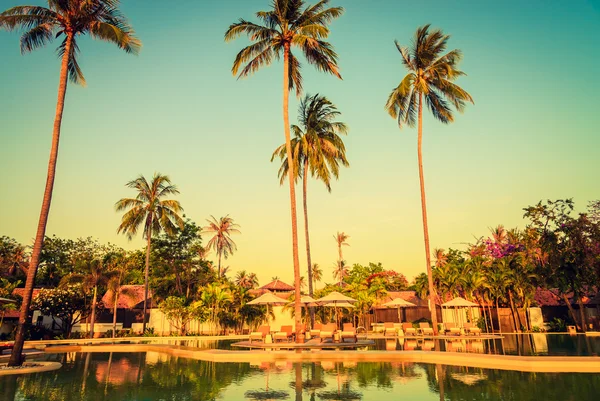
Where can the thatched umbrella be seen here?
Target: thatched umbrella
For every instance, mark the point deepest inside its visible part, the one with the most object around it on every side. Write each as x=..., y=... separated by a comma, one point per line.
x=400, y=304
x=457, y=303
x=307, y=301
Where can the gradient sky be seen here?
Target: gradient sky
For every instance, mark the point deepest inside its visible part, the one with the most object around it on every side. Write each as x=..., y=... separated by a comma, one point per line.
x=532, y=133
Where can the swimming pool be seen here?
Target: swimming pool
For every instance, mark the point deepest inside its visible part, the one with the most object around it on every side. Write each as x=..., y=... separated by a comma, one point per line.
x=155, y=376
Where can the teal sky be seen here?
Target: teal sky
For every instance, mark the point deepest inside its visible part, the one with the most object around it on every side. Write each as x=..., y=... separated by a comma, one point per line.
x=532, y=133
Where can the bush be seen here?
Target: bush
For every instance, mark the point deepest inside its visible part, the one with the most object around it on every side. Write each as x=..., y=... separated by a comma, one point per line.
x=558, y=325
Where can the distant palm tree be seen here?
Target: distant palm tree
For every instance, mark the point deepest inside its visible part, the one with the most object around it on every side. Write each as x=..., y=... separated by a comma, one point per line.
x=340, y=239
x=286, y=24
x=221, y=241
x=101, y=19
x=150, y=210
x=431, y=75
x=340, y=271
x=95, y=274
x=246, y=280
x=440, y=257
x=121, y=269
x=316, y=273
x=317, y=150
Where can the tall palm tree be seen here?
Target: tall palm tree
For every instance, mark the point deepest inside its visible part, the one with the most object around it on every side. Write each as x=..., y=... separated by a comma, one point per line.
x=431, y=75
x=150, y=210
x=316, y=273
x=287, y=24
x=340, y=239
x=221, y=241
x=71, y=19
x=317, y=149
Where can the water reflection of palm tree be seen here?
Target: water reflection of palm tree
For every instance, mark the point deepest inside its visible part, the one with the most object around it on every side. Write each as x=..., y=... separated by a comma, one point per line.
x=266, y=394
x=314, y=381
x=344, y=392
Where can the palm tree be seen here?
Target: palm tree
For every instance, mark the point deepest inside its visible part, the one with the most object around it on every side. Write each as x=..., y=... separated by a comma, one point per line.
x=317, y=149
x=246, y=280
x=101, y=19
x=216, y=296
x=316, y=273
x=95, y=274
x=221, y=241
x=121, y=267
x=156, y=214
x=341, y=238
x=288, y=23
x=431, y=75
x=340, y=271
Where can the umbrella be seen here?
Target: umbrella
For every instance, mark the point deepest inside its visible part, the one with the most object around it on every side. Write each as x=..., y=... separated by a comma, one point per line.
x=268, y=299
x=459, y=302
x=399, y=303
x=335, y=297
x=469, y=379
x=335, y=300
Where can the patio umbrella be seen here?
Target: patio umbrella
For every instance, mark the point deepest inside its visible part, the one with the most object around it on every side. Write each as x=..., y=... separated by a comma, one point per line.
x=336, y=299
x=336, y=305
x=268, y=298
x=458, y=302
x=399, y=303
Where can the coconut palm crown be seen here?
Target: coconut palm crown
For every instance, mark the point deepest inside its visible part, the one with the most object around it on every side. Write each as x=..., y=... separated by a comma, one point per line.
x=317, y=147
x=289, y=23
x=430, y=75
x=221, y=241
x=70, y=19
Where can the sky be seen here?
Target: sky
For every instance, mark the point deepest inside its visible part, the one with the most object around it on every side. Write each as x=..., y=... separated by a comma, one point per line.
x=532, y=133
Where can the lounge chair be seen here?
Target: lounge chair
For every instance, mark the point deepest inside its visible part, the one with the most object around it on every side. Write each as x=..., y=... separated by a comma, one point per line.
x=427, y=345
x=451, y=329
x=409, y=330
x=390, y=330
x=410, y=345
x=470, y=328
x=286, y=334
x=327, y=331
x=349, y=332
x=426, y=330
x=260, y=334
x=316, y=330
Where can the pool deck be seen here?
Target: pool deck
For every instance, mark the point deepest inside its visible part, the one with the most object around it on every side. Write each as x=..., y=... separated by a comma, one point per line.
x=486, y=361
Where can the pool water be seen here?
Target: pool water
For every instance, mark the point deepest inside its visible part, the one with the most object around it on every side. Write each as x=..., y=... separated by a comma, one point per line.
x=154, y=376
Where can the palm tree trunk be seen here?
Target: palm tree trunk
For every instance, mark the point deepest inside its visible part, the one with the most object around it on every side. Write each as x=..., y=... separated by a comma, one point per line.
x=432, y=305
x=512, y=310
x=93, y=317
x=15, y=357
x=288, y=148
x=571, y=311
x=498, y=317
x=219, y=267
x=582, y=314
x=146, y=274
x=114, y=331
x=308, y=259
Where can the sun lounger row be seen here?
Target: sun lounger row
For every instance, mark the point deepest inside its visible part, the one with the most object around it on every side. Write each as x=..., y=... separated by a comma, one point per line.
x=424, y=329
x=321, y=331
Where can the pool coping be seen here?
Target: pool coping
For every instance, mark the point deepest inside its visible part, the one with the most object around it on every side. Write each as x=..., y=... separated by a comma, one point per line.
x=40, y=367
x=555, y=364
